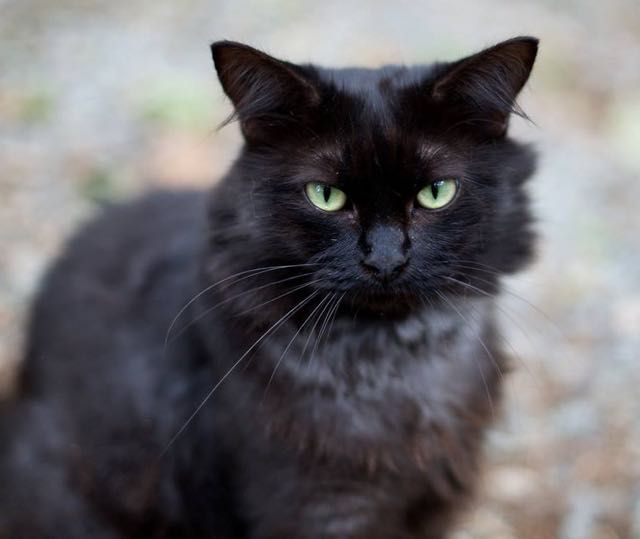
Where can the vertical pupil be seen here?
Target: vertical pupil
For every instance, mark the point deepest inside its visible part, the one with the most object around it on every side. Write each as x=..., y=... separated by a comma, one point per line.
x=435, y=188
x=326, y=193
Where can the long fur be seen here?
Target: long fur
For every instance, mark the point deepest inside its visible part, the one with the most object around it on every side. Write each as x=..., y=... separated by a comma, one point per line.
x=227, y=365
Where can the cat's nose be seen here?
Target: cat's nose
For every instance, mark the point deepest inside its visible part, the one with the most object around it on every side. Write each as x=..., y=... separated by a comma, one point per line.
x=385, y=252
x=386, y=266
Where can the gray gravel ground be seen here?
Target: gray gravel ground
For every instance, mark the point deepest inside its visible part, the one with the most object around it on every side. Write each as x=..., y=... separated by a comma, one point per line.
x=101, y=100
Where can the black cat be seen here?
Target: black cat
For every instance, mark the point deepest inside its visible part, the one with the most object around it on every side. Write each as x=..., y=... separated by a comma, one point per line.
x=307, y=352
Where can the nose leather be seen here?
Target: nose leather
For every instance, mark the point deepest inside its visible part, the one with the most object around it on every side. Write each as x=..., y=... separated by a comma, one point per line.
x=386, y=251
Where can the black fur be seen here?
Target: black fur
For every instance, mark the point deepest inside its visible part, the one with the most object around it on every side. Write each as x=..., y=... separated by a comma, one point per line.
x=320, y=397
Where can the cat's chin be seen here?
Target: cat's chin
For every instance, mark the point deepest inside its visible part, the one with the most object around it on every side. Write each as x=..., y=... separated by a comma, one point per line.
x=386, y=304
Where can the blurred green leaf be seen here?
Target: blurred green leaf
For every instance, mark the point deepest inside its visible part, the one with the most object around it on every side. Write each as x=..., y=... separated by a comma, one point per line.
x=36, y=107
x=177, y=104
x=100, y=185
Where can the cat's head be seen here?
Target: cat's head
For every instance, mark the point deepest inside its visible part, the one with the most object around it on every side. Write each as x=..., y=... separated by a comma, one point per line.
x=395, y=185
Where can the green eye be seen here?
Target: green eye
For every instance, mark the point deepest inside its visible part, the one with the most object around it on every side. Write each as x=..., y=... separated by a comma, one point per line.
x=437, y=194
x=326, y=197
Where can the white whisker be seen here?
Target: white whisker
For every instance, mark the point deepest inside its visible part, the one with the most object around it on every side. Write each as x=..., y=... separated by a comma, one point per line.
x=484, y=380
x=207, y=311
x=284, y=353
x=253, y=272
x=268, y=332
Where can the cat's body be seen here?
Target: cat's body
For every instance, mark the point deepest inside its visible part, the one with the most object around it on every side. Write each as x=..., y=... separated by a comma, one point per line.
x=217, y=367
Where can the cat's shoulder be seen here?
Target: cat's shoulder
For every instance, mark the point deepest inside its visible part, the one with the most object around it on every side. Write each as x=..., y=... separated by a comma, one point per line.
x=155, y=220
x=121, y=278
x=125, y=242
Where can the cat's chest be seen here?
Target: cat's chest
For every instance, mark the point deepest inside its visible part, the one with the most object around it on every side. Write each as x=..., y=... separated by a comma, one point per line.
x=379, y=394
x=381, y=422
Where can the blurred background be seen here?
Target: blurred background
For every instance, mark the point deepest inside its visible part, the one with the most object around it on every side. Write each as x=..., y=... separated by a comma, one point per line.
x=102, y=100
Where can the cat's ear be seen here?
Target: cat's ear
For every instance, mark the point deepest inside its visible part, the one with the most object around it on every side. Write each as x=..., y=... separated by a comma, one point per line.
x=483, y=87
x=267, y=93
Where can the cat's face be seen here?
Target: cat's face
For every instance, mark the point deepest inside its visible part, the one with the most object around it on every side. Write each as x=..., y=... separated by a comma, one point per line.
x=397, y=185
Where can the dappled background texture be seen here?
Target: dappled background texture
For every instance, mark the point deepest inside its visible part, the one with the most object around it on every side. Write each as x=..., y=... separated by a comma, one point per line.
x=102, y=100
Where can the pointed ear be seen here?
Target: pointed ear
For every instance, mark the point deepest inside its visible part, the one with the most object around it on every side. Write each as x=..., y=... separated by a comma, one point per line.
x=266, y=93
x=483, y=87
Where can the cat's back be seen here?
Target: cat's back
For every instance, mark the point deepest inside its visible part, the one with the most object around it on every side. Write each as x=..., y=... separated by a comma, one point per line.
x=99, y=396
x=117, y=284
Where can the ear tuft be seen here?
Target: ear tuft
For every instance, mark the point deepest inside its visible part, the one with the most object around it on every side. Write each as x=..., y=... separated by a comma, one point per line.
x=265, y=91
x=489, y=81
